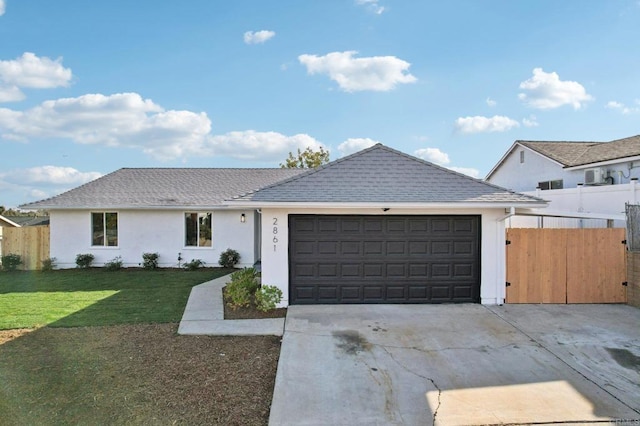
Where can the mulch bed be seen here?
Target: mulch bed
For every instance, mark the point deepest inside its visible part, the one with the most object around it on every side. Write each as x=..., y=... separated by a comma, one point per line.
x=251, y=312
x=134, y=374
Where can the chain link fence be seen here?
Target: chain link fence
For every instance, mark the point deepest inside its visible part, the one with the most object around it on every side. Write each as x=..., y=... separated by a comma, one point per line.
x=633, y=226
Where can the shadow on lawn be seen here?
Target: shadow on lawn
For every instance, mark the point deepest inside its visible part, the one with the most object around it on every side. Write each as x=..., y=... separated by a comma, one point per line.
x=96, y=297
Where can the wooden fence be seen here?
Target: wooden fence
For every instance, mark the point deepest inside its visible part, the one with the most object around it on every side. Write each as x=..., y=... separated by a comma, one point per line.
x=30, y=242
x=566, y=265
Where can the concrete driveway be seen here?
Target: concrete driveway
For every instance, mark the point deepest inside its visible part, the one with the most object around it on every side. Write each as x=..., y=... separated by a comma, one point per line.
x=458, y=365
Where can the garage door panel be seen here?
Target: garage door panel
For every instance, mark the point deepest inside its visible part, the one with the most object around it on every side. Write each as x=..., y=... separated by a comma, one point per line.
x=396, y=248
x=384, y=259
x=373, y=270
x=350, y=270
x=396, y=270
x=327, y=225
x=463, y=225
x=373, y=247
x=328, y=270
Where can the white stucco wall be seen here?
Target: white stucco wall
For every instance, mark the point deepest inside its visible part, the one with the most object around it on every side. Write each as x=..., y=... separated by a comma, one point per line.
x=150, y=231
x=275, y=252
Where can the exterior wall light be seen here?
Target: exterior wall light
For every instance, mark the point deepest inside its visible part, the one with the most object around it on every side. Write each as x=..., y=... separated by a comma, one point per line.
x=243, y=218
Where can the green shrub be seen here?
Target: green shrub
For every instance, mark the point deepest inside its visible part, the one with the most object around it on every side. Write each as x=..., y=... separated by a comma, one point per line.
x=84, y=260
x=268, y=297
x=193, y=265
x=49, y=264
x=11, y=261
x=114, y=265
x=150, y=260
x=229, y=258
x=241, y=288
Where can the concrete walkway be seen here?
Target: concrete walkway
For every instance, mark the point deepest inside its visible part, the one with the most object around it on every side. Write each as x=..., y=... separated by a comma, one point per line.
x=458, y=364
x=204, y=315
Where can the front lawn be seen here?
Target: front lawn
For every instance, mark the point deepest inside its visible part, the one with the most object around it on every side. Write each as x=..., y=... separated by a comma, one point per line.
x=96, y=297
x=140, y=374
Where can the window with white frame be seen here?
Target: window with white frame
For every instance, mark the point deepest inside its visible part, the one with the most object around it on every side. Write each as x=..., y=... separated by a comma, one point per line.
x=104, y=229
x=198, y=232
x=550, y=184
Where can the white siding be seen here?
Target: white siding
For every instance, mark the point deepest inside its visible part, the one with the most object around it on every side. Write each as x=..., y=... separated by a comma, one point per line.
x=525, y=176
x=275, y=253
x=150, y=231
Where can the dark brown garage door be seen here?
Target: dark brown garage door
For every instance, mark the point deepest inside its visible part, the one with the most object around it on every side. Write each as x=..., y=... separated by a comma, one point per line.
x=384, y=259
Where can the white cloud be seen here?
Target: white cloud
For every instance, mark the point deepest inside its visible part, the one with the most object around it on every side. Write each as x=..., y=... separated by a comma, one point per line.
x=352, y=145
x=52, y=175
x=258, y=37
x=10, y=94
x=123, y=119
x=378, y=73
x=547, y=91
x=479, y=124
x=491, y=102
x=622, y=108
x=128, y=120
x=31, y=71
x=253, y=145
x=530, y=122
x=433, y=155
x=37, y=183
x=2, y=7
x=475, y=173
x=372, y=5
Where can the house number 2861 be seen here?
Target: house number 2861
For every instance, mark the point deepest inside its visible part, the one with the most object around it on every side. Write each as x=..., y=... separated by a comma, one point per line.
x=275, y=233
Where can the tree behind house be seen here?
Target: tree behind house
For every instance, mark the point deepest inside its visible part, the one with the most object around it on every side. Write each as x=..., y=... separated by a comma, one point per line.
x=307, y=159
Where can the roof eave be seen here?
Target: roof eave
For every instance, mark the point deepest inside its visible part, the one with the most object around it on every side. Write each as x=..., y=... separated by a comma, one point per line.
x=395, y=205
x=604, y=163
x=10, y=222
x=189, y=207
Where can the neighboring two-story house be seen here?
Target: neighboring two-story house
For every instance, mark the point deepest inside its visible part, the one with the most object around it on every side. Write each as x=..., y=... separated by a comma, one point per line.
x=582, y=179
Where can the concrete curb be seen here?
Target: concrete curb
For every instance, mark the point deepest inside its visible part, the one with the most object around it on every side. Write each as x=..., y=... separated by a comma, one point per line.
x=204, y=315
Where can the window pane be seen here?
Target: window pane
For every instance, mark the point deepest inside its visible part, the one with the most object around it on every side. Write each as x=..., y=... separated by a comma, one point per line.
x=543, y=185
x=556, y=184
x=111, y=220
x=97, y=229
x=191, y=229
x=204, y=222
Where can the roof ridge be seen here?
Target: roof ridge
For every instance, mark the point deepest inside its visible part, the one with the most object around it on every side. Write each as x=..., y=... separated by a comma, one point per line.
x=314, y=170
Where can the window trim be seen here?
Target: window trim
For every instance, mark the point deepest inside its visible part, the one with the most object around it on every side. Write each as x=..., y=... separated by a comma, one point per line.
x=549, y=184
x=185, y=236
x=105, y=236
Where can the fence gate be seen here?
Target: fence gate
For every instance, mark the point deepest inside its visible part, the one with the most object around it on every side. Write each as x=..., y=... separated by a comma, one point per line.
x=30, y=242
x=566, y=265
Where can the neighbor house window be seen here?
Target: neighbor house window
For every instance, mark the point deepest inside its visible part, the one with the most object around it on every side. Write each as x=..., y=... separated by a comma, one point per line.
x=521, y=156
x=550, y=184
x=104, y=229
x=198, y=229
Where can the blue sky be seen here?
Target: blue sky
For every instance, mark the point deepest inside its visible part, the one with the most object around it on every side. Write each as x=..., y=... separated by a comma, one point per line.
x=89, y=87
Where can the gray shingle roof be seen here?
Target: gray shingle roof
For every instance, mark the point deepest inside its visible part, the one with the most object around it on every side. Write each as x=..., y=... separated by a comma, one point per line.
x=159, y=187
x=381, y=174
x=571, y=154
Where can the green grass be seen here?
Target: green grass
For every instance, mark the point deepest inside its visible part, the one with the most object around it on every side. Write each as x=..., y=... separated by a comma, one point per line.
x=95, y=297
